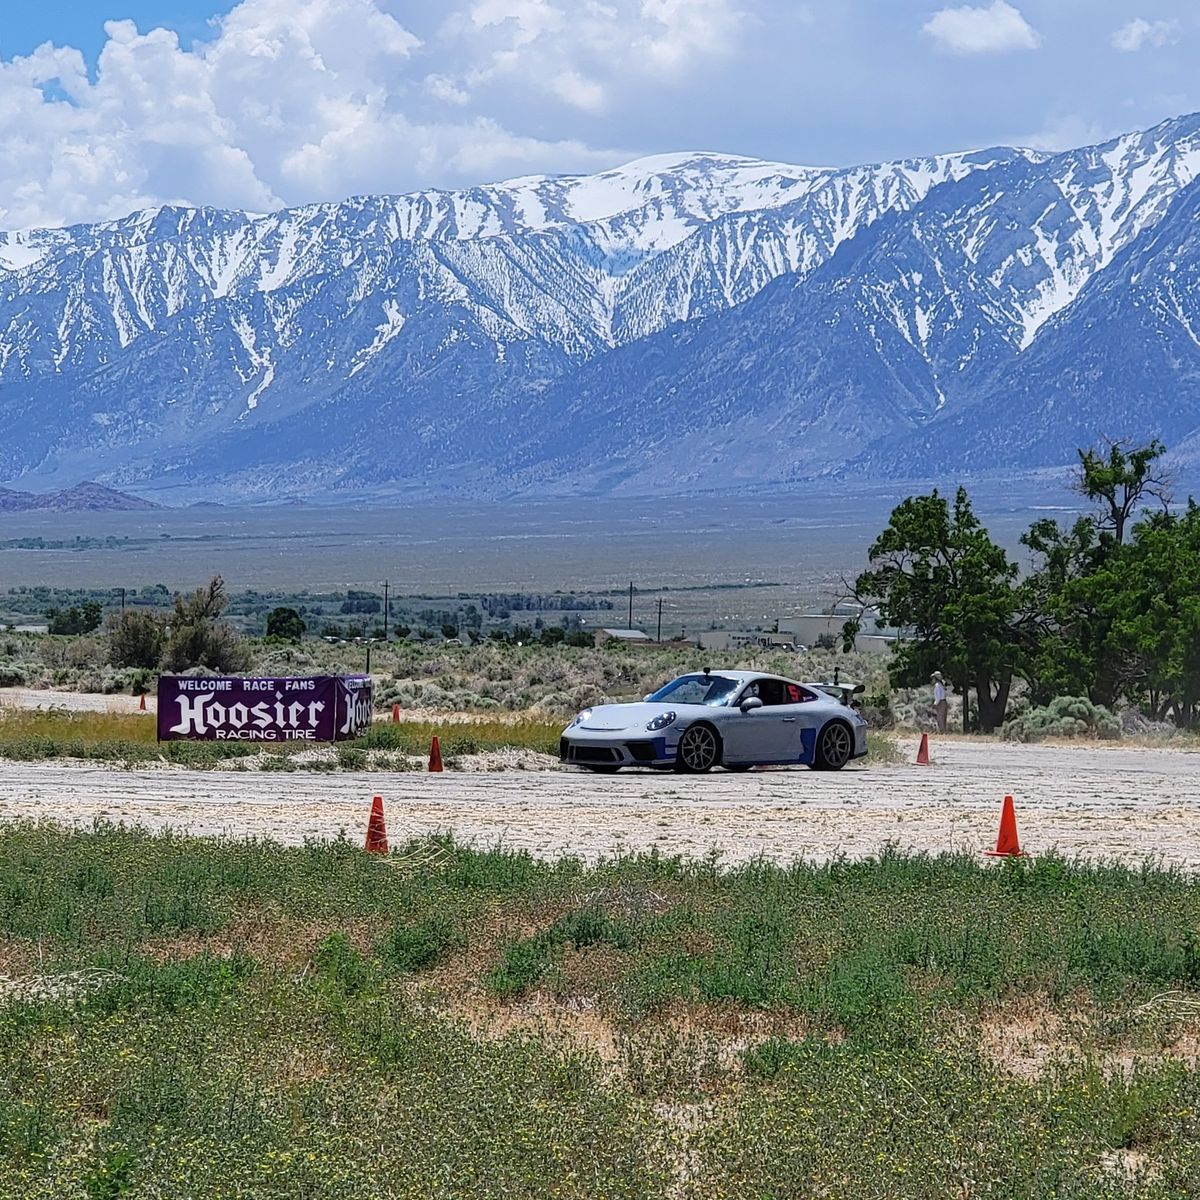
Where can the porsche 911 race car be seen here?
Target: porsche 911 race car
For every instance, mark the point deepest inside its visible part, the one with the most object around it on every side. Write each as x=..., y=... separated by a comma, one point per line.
x=731, y=719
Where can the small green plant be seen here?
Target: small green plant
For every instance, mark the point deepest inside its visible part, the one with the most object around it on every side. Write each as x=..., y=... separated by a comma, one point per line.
x=350, y=758
x=523, y=965
x=113, y=1178
x=338, y=966
x=418, y=946
x=527, y=961
x=772, y=1058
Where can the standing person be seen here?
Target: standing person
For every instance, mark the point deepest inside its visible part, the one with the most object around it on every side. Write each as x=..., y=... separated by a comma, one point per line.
x=939, y=701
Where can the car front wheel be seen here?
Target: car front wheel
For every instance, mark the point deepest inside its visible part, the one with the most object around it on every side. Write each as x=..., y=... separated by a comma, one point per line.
x=699, y=750
x=835, y=747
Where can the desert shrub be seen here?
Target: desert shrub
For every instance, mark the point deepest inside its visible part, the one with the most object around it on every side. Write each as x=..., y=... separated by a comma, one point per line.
x=12, y=675
x=134, y=680
x=135, y=638
x=283, y=659
x=199, y=639
x=1137, y=724
x=1064, y=717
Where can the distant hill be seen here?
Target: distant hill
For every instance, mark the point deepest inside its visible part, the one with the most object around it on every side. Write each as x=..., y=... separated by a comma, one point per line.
x=83, y=497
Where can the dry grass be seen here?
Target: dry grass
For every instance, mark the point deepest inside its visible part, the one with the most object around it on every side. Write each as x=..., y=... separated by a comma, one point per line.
x=32, y=735
x=90, y=727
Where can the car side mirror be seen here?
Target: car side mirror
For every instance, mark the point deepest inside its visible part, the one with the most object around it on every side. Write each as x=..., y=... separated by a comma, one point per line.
x=750, y=704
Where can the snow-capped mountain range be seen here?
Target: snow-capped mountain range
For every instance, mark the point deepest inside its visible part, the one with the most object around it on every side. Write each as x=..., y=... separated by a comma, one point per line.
x=688, y=321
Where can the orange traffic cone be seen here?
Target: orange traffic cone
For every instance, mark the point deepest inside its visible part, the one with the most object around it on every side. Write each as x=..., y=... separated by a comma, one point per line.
x=395, y=714
x=1007, y=844
x=435, y=755
x=142, y=703
x=376, y=829
x=923, y=752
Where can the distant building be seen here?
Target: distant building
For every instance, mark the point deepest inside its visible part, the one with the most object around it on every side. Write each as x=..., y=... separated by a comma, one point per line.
x=732, y=639
x=873, y=636
x=633, y=637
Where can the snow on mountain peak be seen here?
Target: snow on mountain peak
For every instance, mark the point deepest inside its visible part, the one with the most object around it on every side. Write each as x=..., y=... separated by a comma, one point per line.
x=174, y=324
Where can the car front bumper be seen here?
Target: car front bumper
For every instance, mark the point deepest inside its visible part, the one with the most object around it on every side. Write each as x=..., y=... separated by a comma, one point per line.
x=579, y=748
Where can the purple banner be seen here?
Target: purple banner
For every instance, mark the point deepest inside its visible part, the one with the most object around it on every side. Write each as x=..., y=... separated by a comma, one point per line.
x=325, y=708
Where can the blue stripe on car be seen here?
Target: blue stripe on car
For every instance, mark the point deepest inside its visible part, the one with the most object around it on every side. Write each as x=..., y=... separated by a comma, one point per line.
x=808, y=745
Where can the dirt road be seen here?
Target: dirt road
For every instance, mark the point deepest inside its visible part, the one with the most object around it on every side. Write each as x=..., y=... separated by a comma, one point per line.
x=1099, y=802
x=117, y=702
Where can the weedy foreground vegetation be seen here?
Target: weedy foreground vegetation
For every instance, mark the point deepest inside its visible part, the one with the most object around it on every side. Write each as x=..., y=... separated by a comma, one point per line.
x=186, y=1018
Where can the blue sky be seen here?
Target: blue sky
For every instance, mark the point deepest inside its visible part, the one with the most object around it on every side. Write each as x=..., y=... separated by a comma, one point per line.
x=108, y=105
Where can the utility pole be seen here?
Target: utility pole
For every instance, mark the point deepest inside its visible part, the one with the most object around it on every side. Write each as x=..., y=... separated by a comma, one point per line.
x=385, y=609
x=630, y=625
x=122, y=599
x=659, y=638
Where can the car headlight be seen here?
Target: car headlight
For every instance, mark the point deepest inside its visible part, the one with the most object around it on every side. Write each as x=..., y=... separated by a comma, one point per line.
x=579, y=720
x=661, y=722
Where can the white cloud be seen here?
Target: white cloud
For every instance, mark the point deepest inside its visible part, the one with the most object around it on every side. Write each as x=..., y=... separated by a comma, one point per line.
x=441, y=87
x=582, y=93
x=969, y=30
x=583, y=51
x=289, y=101
x=1140, y=32
x=1063, y=133
x=681, y=31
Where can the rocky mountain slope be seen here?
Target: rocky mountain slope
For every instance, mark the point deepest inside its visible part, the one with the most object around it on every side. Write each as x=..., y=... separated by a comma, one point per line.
x=684, y=322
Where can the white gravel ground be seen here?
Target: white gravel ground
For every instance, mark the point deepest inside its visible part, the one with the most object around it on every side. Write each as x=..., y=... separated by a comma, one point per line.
x=1094, y=801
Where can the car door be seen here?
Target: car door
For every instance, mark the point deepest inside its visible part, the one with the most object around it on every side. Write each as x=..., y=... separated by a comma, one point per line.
x=761, y=735
x=800, y=719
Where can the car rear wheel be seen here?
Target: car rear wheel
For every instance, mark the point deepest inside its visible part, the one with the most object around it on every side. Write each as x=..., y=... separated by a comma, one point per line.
x=835, y=747
x=699, y=750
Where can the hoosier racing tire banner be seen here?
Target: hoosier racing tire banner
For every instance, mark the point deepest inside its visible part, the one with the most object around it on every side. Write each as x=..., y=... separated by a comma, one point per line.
x=323, y=708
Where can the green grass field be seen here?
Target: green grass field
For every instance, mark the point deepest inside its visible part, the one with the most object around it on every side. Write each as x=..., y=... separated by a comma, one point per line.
x=188, y=1018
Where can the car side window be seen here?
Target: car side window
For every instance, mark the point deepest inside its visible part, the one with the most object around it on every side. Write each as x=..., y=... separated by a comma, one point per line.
x=769, y=691
x=798, y=695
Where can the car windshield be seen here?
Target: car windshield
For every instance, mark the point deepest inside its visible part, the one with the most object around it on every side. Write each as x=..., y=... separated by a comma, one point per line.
x=713, y=690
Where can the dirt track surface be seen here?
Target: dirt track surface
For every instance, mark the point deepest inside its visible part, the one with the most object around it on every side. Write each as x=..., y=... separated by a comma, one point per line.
x=1098, y=802
x=118, y=702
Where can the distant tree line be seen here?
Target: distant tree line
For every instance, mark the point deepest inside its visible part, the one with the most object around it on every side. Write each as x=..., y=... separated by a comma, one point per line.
x=1109, y=610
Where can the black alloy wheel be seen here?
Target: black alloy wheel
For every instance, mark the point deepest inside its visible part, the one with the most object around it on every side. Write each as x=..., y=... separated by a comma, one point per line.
x=835, y=747
x=699, y=750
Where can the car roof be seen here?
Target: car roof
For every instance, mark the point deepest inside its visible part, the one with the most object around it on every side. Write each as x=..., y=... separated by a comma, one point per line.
x=747, y=676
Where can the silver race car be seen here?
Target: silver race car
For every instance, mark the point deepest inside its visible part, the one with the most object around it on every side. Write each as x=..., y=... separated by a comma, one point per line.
x=731, y=719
